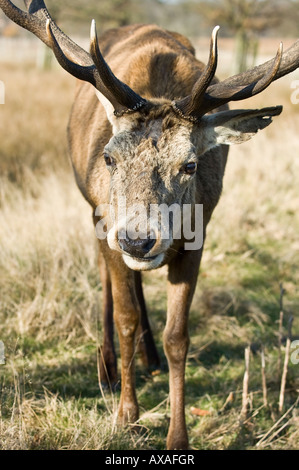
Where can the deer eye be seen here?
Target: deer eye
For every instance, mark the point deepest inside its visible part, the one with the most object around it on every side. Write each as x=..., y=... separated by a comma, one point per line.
x=108, y=160
x=190, y=168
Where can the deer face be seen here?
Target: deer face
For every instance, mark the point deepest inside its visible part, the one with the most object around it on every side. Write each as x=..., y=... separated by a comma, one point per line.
x=152, y=165
x=153, y=160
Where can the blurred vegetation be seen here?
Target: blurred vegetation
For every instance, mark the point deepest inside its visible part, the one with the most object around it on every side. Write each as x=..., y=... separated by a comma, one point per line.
x=191, y=17
x=248, y=20
x=245, y=20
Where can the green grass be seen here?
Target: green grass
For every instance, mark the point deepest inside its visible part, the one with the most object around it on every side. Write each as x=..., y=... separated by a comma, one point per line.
x=50, y=303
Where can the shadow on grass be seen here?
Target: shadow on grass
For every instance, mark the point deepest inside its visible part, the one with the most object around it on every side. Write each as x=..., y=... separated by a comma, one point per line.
x=76, y=378
x=58, y=371
x=217, y=351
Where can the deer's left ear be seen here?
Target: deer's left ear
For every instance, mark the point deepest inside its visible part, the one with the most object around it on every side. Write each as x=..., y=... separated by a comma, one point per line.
x=236, y=126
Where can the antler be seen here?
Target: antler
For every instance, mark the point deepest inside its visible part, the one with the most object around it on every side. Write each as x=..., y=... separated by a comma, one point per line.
x=191, y=105
x=88, y=67
x=237, y=87
x=94, y=69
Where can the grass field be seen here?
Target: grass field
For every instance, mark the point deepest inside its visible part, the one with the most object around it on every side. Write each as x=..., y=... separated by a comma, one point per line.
x=50, y=294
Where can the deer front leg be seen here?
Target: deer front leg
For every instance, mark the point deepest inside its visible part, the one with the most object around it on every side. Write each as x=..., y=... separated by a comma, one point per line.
x=126, y=316
x=182, y=278
x=108, y=363
x=146, y=343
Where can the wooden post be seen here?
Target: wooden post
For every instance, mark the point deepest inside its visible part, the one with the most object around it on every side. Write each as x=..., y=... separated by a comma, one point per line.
x=280, y=327
x=285, y=367
x=264, y=382
x=245, y=385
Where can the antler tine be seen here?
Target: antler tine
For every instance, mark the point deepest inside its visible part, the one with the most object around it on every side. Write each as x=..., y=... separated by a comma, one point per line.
x=100, y=79
x=289, y=63
x=87, y=72
x=123, y=94
x=22, y=18
x=265, y=81
x=222, y=93
x=191, y=105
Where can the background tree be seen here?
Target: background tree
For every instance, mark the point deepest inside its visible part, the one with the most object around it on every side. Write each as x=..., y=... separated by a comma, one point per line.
x=76, y=15
x=246, y=20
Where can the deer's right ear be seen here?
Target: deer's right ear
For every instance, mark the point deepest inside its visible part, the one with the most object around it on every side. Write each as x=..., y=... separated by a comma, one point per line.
x=118, y=123
x=236, y=126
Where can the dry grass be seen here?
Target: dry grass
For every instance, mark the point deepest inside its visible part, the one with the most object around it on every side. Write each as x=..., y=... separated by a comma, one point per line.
x=50, y=290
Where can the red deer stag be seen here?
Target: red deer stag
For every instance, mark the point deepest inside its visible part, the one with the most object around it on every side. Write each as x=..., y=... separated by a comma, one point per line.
x=156, y=134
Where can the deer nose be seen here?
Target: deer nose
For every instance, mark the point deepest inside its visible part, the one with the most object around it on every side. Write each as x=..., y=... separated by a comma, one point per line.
x=138, y=247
